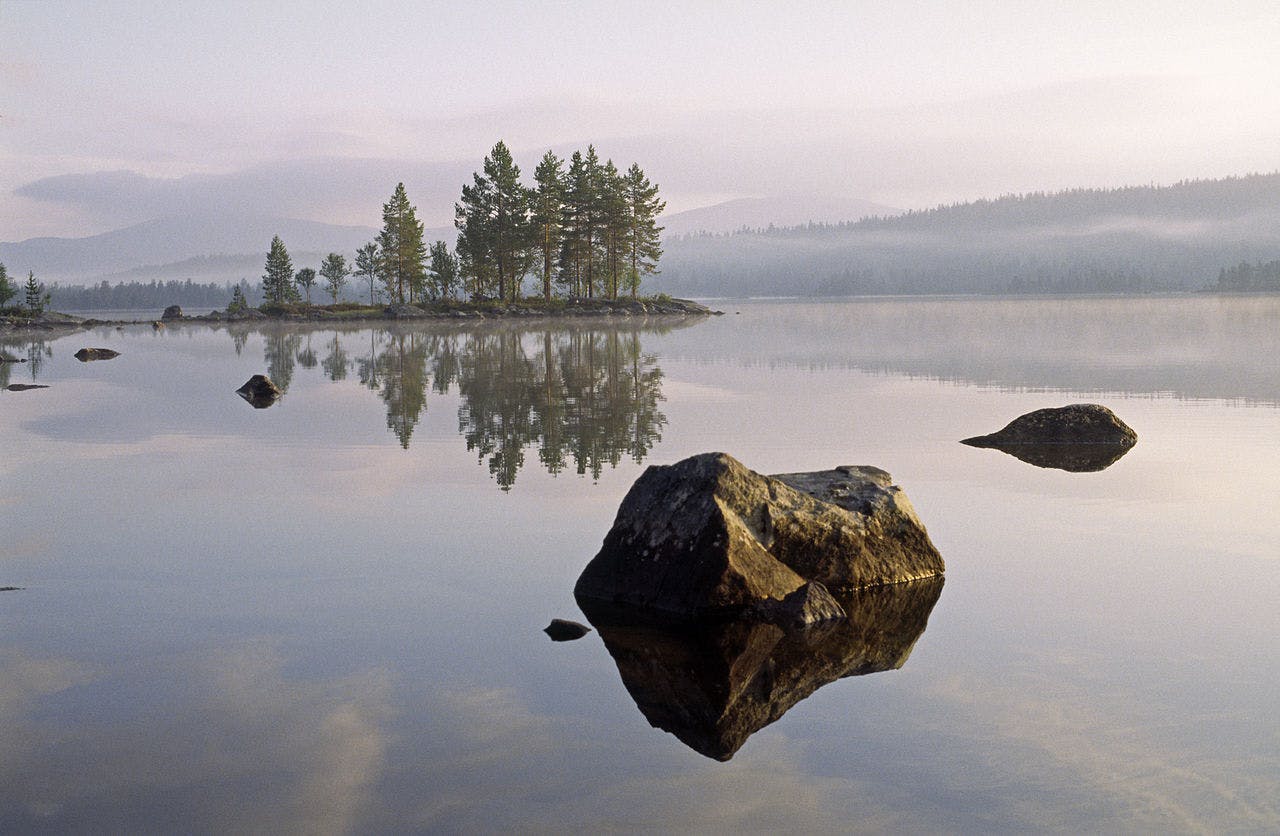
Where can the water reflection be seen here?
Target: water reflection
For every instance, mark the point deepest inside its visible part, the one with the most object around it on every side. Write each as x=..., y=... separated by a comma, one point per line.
x=583, y=397
x=713, y=686
x=1076, y=458
x=26, y=353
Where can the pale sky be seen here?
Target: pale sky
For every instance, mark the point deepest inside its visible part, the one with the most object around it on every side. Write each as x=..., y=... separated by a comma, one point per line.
x=315, y=110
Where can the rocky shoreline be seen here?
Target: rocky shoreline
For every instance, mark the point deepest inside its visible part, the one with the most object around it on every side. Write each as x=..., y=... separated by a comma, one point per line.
x=442, y=311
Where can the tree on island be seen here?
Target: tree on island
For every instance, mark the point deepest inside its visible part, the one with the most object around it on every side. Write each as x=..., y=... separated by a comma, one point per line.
x=493, y=226
x=7, y=290
x=238, y=303
x=335, y=271
x=277, y=281
x=547, y=216
x=644, y=236
x=402, y=250
x=36, y=298
x=305, y=278
x=367, y=266
x=443, y=280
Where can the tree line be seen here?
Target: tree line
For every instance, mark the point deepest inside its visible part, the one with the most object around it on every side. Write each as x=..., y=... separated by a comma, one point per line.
x=1246, y=277
x=583, y=230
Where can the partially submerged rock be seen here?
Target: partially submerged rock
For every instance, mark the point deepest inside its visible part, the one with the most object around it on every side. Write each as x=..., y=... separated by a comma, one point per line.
x=1079, y=423
x=714, y=685
x=564, y=630
x=23, y=387
x=259, y=391
x=706, y=537
x=172, y=312
x=84, y=355
x=1075, y=458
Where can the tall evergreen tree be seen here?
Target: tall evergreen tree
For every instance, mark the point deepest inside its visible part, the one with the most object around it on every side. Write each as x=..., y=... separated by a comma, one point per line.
x=592, y=217
x=547, y=214
x=7, y=290
x=34, y=292
x=493, y=225
x=442, y=274
x=402, y=249
x=277, y=281
x=614, y=227
x=644, y=236
x=305, y=279
x=367, y=266
x=335, y=271
x=575, y=244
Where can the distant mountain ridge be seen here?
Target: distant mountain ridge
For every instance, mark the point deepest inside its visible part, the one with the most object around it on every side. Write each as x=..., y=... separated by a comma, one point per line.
x=763, y=212
x=1132, y=239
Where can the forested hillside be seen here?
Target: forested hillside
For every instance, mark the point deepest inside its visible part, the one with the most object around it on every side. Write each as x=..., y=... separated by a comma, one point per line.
x=1133, y=239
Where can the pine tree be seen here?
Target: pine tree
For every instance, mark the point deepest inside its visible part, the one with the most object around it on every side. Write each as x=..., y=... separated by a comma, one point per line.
x=442, y=275
x=548, y=214
x=574, y=250
x=335, y=271
x=592, y=218
x=367, y=266
x=35, y=295
x=277, y=281
x=402, y=250
x=493, y=226
x=614, y=226
x=238, y=303
x=7, y=290
x=644, y=236
x=305, y=279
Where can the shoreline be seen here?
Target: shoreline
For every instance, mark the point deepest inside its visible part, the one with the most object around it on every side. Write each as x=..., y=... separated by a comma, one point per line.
x=560, y=309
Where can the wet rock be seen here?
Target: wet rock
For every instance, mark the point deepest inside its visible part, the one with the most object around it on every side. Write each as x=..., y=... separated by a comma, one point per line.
x=84, y=355
x=706, y=537
x=10, y=589
x=810, y=604
x=404, y=312
x=157, y=324
x=563, y=630
x=172, y=312
x=23, y=387
x=1080, y=423
x=259, y=391
x=713, y=685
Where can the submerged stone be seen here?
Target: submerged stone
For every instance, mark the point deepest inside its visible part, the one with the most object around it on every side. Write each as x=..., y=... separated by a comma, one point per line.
x=259, y=391
x=84, y=355
x=1080, y=423
x=563, y=630
x=706, y=537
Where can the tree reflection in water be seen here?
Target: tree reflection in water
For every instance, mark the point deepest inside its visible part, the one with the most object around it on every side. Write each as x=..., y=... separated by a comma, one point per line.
x=583, y=397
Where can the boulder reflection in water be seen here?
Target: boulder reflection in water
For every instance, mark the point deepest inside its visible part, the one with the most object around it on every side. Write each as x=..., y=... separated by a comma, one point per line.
x=714, y=685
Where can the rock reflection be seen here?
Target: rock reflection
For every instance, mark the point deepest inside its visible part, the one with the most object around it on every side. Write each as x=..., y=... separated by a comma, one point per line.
x=715, y=685
x=1076, y=458
x=26, y=353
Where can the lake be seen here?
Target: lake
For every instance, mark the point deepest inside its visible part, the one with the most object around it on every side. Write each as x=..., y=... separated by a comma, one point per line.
x=326, y=615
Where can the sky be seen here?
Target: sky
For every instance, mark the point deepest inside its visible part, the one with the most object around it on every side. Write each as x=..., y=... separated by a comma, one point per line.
x=115, y=112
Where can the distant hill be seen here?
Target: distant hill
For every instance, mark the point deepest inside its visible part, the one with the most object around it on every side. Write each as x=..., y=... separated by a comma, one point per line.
x=1135, y=239
x=204, y=248
x=763, y=212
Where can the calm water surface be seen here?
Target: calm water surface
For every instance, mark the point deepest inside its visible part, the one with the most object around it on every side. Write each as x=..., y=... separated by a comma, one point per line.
x=325, y=616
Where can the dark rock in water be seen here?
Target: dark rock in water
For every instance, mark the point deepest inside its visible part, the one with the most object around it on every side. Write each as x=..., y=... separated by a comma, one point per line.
x=1076, y=458
x=157, y=324
x=84, y=355
x=713, y=685
x=10, y=589
x=5, y=358
x=708, y=537
x=172, y=312
x=259, y=391
x=563, y=630
x=808, y=605
x=23, y=387
x=1080, y=423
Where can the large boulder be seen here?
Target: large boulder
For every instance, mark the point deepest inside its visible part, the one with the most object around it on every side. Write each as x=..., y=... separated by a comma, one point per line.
x=707, y=537
x=260, y=391
x=1077, y=423
x=84, y=355
x=172, y=312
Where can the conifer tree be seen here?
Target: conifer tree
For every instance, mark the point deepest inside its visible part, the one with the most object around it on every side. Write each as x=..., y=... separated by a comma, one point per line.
x=7, y=290
x=442, y=275
x=402, y=250
x=614, y=227
x=493, y=225
x=277, y=281
x=547, y=214
x=644, y=236
x=335, y=271
x=35, y=295
x=575, y=249
x=592, y=218
x=367, y=266
x=305, y=279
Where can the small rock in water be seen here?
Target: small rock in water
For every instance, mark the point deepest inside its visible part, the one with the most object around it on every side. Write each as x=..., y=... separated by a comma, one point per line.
x=810, y=604
x=172, y=312
x=563, y=630
x=259, y=391
x=22, y=387
x=10, y=588
x=1077, y=423
x=157, y=324
x=84, y=355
